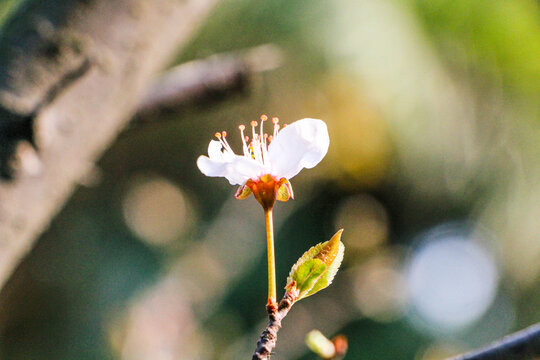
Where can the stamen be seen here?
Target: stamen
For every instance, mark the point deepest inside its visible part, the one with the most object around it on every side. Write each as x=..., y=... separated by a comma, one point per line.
x=262, y=142
x=253, y=126
x=275, y=121
x=256, y=143
x=256, y=146
x=220, y=137
x=224, y=142
x=263, y=119
x=249, y=143
x=244, y=140
x=265, y=137
x=265, y=145
x=276, y=129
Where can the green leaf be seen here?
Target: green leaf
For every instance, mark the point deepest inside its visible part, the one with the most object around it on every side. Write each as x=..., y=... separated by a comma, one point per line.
x=328, y=276
x=317, y=267
x=308, y=274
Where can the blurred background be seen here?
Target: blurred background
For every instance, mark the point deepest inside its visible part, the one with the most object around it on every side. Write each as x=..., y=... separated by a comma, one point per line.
x=433, y=108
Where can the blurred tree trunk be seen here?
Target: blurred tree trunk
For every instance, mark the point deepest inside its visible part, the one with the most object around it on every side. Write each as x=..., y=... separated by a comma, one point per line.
x=71, y=75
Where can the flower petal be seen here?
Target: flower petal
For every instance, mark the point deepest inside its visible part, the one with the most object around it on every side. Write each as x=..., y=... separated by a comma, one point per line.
x=210, y=167
x=214, y=150
x=236, y=169
x=218, y=153
x=241, y=169
x=303, y=144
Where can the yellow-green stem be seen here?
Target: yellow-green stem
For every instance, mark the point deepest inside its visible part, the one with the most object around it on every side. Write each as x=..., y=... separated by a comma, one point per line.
x=271, y=258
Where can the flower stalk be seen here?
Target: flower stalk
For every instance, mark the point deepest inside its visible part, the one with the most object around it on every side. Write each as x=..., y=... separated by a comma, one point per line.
x=271, y=258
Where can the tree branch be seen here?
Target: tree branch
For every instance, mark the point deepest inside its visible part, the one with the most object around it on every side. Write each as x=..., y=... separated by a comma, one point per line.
x=268, y=339
x=522, y=345
x=206, y=79
x=42, y=50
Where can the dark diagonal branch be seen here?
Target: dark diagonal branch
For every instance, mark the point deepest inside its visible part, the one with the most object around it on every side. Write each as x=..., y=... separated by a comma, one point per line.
x=268, y=339
x=205, y=80
x=522, y=345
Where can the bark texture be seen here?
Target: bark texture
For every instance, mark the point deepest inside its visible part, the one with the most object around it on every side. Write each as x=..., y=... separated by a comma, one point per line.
x=72, y=73
x=268, y=339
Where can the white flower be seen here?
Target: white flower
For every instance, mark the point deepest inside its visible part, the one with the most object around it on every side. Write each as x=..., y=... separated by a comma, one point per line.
x=303, y=144
x=280, y=156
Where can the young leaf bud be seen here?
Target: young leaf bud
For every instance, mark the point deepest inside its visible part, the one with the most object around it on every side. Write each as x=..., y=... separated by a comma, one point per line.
x=320, y=345
x=317, y=267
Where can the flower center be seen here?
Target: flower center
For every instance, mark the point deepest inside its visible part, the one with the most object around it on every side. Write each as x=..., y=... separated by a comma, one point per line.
x=255, y=148
x=265, y=189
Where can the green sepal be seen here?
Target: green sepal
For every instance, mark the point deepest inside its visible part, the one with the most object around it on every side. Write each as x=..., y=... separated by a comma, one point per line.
x=243, y=192
x=285, y=191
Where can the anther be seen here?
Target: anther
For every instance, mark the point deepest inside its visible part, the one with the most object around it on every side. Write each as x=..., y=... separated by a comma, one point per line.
x=242, y=127
x=253, y=123
x=264, y=117
x=224, y=133
x=275, y=120
x=218, y=135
